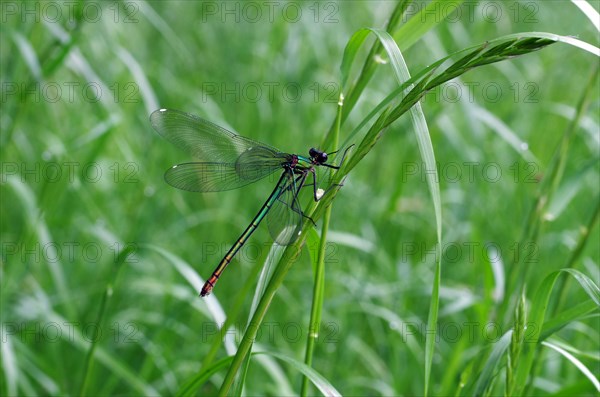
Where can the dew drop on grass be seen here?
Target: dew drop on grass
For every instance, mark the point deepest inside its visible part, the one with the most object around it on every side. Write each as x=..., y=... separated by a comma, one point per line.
x=320, y=193
x=379, y=59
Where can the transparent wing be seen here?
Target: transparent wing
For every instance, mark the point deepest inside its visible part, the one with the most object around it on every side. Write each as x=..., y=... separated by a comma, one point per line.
x=213, y=177
x=228, y=160
x=284, y=219
x=202, y=139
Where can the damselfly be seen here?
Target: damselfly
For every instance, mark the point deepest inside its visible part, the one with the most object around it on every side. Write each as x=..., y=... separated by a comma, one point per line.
x=229, y=161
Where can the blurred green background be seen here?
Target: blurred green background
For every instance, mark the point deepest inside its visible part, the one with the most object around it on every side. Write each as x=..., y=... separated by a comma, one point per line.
x=82, y=178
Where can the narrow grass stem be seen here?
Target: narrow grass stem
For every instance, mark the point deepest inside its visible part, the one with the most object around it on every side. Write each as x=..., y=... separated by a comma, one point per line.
x=319, y=285
x=283, y=267
x=368, y=69
x=317, y=302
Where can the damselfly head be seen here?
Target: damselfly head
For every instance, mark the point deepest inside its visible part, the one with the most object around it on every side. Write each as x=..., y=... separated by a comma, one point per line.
x=318, y=156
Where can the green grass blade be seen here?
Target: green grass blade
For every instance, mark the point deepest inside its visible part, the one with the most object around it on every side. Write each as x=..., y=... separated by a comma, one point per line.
x=516, y=342
x=273, y=258
x=191, y=386
x=587, y=284
x=354, y=44
x=148, y=94
x=29, y=56
x=589, y=11
x=426, y=150
x=192, y=278
x=353, y=93
x=489, y=370
x=539, y=307
x=567, y=317
x=318, y=299
x=317, y=379
x=267, y=271
x=577, y=363
x=420, y=23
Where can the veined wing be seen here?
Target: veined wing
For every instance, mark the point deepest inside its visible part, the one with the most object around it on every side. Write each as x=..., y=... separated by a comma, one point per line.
x=204, y=140
x=228, y=160
x=214, y=177
x=284, y=219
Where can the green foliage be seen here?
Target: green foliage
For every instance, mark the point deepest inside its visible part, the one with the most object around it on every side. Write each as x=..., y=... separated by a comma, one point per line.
x=102, y=262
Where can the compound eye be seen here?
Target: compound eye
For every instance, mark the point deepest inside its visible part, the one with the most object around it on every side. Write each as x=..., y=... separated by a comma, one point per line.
x=323, y=157
x=313, y=152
